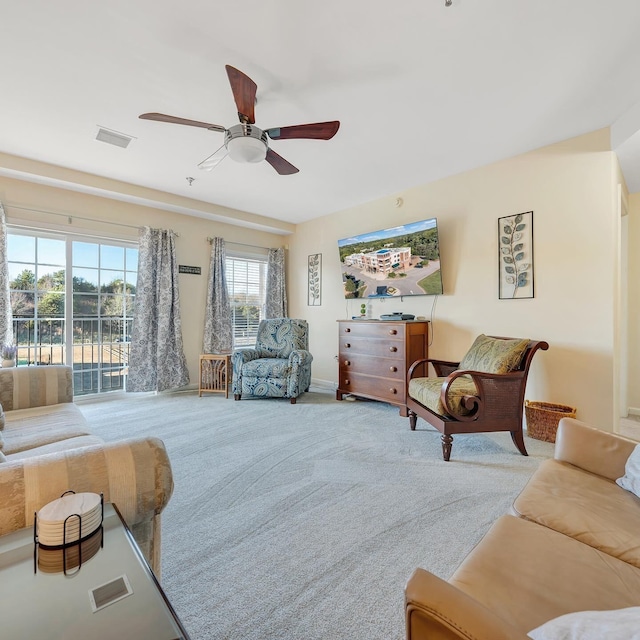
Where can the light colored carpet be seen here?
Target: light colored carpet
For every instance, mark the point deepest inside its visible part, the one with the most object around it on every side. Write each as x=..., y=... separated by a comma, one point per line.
x=304, y=521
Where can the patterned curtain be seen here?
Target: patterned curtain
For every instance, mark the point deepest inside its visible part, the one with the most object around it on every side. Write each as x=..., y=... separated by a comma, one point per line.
x=157, y=361
x=6, y=319
x=276, y=306
x=218, y=333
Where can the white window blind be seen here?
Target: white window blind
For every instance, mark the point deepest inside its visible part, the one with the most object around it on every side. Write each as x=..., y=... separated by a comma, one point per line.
x=246, y=282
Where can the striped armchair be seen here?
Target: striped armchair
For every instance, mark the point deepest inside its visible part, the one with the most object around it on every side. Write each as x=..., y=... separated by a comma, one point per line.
x=47, y=448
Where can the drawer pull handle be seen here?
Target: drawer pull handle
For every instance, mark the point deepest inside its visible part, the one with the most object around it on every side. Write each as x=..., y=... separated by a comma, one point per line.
x=347, y=330
x=393, y=390
x=392, y=332
x=393, y=368
x=347, y=363
x=346, y=382
x=347, y=345
x=393, y=349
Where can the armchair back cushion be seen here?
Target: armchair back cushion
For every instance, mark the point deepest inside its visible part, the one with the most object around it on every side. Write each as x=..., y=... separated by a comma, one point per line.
x=278, y=337
x=494, y=355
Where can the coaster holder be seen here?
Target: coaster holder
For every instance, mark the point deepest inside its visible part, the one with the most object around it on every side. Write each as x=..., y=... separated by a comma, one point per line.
x=66, y=545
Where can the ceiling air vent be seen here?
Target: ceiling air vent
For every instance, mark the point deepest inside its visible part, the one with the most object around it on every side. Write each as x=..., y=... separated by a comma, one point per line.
x=113, y=137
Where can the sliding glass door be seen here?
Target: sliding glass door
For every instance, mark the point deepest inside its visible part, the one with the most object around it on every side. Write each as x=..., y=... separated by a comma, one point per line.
x=72, y=302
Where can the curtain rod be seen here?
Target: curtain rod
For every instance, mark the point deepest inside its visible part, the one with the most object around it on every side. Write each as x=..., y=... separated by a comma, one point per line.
x=70, y=216
x=71, y=232
x=239, y=244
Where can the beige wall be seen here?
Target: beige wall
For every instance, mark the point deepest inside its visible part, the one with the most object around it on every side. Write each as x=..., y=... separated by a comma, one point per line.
x=571, y=187
x=634, y=303
x=192, y=246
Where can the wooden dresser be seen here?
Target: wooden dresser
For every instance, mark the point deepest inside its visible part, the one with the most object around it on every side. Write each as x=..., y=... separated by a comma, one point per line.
x=375, y=355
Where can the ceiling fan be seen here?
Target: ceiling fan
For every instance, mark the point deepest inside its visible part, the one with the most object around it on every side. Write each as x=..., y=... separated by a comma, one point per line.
x=245, y=142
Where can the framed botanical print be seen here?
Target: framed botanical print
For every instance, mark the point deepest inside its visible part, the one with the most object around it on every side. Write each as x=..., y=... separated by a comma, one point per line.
x=515, y=256
x=314, y=274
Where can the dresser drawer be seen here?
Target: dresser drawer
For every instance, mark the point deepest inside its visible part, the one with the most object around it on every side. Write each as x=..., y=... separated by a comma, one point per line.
x=368, y=346
x=373, y=329
x=372, y=365
x=379, y=388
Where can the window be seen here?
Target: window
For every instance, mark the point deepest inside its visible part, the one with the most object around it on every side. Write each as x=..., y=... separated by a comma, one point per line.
x=104, y=286
x=246, y=282
x=72, y=301
x=37, y=282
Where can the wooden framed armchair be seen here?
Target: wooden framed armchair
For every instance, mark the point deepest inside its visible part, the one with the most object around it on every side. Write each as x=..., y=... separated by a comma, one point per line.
x=483, y=392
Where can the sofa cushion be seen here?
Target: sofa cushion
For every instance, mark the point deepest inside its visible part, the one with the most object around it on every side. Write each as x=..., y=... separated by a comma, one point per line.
x=584, y=506
x=25, y=387
x=494, y=355
x=529, y=574
x=55, y=447
x=630, y=481
x=621, y=624
x=427, y=392
x=35, y=427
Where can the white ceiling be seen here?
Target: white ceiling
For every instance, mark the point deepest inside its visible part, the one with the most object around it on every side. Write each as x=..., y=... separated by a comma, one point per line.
x=422, y=91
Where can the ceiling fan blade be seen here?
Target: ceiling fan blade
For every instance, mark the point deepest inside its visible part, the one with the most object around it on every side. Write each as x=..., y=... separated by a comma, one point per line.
x=214, y=159
x=316, y=131
x=161, y=117
x=282, y=166
x=244, y=93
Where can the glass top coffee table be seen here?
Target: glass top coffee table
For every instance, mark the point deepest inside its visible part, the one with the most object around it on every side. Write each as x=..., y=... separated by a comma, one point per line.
x=112, y=594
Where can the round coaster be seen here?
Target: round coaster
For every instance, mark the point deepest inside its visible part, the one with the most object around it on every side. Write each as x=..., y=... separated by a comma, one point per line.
x=58, y=510
x=54, y=524
x=51, y=518
x=53, y=535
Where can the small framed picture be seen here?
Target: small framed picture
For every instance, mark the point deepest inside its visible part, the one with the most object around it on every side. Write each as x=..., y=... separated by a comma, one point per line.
x=314, y=296
x=515, y=256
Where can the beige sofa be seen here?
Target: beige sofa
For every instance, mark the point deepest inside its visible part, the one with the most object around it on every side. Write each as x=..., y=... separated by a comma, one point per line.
x=571, y=544
x=47, y=448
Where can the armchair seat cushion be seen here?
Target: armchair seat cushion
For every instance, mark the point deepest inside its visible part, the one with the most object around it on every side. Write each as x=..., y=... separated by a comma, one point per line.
x=266, y=368
x=427, y=392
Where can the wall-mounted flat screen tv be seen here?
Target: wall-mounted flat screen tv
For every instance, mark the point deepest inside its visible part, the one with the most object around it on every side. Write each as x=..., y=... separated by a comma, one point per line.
x=401, y=261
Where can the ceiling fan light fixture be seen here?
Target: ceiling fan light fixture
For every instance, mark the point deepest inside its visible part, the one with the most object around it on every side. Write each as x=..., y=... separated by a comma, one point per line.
x=246, y=149
x=246, y=143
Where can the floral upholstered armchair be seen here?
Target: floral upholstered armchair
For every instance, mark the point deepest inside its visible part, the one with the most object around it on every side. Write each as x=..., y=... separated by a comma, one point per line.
x=280, y=364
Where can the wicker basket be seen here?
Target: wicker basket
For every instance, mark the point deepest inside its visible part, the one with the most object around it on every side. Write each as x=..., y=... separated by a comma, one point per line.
x=543, y=419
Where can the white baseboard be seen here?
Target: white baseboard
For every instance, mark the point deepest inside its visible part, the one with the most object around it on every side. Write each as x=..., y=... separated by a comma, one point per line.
x=633, y=411
x=324, y=384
